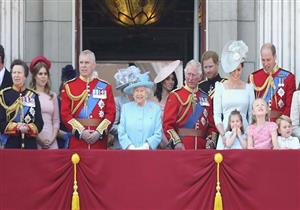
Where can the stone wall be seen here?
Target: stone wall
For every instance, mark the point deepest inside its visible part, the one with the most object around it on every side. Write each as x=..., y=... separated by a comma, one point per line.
x=48, y=32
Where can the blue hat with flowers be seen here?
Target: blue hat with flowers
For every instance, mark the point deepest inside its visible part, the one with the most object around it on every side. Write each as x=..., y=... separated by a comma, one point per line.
x=126, y=76
x=141, y=80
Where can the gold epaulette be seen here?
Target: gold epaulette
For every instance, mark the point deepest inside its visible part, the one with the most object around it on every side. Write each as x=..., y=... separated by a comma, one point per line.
x=102, y=80
x=202, y=81
x=176, y=89
x=223, y=80
x=70, y=80
x=5, y=89
x=212, y=93
x=32, y=90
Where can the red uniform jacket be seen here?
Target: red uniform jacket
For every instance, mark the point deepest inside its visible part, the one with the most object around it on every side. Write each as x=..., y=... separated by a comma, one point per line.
x=277, y=89
x=87, y=106
x=188, y=118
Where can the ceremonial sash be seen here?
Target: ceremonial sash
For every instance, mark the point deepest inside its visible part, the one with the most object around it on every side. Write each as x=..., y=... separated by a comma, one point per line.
x=277, y=80
x=92, y=101
x=194, y=117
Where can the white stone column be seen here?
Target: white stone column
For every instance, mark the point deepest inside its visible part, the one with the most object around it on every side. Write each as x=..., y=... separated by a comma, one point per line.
x=278, y=22
x=11, y=29
x=196, y=30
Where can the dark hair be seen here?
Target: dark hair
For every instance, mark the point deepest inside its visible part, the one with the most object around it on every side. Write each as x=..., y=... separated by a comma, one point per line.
x=158, y=90
x=235, y=112
x=35, y=70
x=18, y=62
x=2, y=54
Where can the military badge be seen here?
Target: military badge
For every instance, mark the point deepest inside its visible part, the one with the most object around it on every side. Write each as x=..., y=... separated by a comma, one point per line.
x=27, y=119
x=280, y=92
x=27, y=101
x=103, y=94
x=101, y=114
x=280, y=103
x=101, y=104
x=203, y=101
x=32, y=111
x=96, y=93
x=205, y=113
x=203, y=121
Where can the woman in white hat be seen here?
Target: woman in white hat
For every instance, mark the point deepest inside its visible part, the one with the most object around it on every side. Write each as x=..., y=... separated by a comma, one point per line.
x=140, y=125
x=123, y=78
x=233, y=94
x=166, y=81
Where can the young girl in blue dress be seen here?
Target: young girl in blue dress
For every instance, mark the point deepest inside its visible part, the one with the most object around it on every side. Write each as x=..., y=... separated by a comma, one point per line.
x=234, y=136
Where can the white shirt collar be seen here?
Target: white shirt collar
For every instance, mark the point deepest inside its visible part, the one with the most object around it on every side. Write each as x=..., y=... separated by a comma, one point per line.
x=2, y=75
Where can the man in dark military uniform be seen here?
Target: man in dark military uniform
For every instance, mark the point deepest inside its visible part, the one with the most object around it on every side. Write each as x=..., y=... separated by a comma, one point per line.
x=87, y=106
x=5, y=76
x=20, y=111
x=273, y=83
x=210, y=68
x=187, y=120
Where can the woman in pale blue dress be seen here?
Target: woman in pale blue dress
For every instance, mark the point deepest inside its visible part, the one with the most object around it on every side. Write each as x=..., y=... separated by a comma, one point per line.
x=233, y=94
x=140, y=125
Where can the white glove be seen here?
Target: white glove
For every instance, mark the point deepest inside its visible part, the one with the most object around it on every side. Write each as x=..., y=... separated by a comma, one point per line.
x=131, y=147
x=145, y=146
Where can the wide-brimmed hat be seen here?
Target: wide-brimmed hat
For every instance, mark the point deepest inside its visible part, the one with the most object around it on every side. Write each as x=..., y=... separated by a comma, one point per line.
x=164, y=72
x=142, y=80
x=40, y=59
x=233, y=54
x=126, y=76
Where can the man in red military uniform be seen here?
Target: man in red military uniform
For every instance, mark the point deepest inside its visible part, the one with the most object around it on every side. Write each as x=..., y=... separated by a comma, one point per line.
x=87, y=106
x=273, y=83
x=188, y=119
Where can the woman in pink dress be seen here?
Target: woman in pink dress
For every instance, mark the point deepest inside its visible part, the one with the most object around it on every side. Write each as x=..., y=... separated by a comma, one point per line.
x=262, y=134
x=40, y=82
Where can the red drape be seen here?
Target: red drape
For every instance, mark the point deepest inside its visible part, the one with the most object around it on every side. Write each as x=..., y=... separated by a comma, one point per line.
x=149, y=179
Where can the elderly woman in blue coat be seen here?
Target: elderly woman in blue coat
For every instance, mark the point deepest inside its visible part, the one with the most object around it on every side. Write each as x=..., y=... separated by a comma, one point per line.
x=140, y=124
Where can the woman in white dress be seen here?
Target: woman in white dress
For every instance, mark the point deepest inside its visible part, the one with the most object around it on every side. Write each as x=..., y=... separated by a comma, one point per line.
x=233, y=94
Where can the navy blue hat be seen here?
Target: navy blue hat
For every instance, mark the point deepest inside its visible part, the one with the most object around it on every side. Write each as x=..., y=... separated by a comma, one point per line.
x=68, y=72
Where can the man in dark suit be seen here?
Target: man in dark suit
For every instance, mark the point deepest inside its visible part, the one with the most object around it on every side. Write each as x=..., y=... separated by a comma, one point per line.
x=5, y=76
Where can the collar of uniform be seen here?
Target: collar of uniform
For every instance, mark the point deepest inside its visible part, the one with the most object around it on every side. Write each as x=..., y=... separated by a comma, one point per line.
x=275, y=69
x=85, y=79
x=190, y=89
x=20, y=90
x=215, y=79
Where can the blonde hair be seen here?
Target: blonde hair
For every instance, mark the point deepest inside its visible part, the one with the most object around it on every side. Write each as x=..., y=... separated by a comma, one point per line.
x=267, y=117
x=283, y=118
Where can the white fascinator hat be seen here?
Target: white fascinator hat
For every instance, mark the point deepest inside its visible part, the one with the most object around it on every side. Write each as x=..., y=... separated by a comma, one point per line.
x=233, y=54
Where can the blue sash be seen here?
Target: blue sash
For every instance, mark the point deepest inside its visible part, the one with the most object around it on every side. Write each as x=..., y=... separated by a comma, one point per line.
x=194, y=117
x=277, y=80
x=92, y=102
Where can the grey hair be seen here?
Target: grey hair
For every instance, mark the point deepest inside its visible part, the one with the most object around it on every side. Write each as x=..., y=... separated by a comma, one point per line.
x=90, y=54
x=193, y=63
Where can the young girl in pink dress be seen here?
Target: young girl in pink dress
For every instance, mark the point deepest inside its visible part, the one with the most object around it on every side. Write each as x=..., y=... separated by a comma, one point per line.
x=262, y=134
